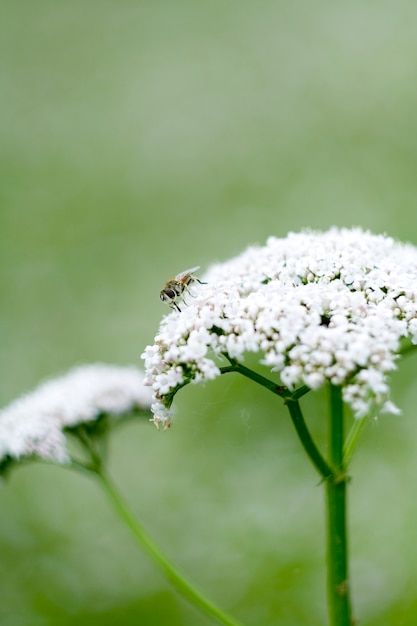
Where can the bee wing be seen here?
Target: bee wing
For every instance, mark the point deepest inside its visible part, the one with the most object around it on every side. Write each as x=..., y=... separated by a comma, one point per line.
x=187, y=272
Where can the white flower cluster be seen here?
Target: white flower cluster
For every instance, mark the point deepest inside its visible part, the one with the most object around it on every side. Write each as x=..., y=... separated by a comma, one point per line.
x=34, y=424
x=319, y=307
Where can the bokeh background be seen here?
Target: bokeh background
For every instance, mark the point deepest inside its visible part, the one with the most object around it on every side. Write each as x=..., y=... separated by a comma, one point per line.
x=141, y=138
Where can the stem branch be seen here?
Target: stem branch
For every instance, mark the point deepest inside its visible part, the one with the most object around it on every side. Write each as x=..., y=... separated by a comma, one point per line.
x=235, y=366
x=307, y=441
x=184, y=587
x=291, y=400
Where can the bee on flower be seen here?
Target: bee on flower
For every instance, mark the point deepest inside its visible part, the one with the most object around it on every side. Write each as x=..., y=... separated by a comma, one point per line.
x=317, y=308
x=175, y=288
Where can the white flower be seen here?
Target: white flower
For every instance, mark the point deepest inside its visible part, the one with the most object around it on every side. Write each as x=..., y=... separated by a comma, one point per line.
x=318, y=307
x=34, y=424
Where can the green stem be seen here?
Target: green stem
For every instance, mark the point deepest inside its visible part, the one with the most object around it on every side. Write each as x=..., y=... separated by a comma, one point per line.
x=352, y=439
x=291, y=400
x=307, y=441
x=337, y=554
x=257, y=378
x=185, y=588
x=300, y=392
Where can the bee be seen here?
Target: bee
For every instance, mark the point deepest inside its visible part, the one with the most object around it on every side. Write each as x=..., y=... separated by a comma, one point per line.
x=175, y=288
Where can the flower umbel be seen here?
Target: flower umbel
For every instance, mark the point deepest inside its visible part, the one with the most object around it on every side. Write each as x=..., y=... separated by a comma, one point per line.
x=34, y=425
x=319, y=307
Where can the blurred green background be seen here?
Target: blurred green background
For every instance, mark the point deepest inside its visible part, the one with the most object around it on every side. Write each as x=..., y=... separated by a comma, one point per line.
x=138, y=139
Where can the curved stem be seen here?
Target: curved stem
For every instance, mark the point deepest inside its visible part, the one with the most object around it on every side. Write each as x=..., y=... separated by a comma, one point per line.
x=235, y=366
x=307, y=441
x=291, y=400
x=184, y=587
x=337, y=554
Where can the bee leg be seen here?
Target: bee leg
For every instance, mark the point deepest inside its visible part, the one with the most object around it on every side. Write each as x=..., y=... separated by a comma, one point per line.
x=200, y=281
x=174, y=306
x=188, y=290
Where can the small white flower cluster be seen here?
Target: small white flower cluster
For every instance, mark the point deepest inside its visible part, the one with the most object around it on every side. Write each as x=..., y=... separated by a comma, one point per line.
x=319, y=307
x=34, y=424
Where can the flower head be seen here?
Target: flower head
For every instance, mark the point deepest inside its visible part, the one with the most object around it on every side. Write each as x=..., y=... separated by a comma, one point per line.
x=319, y=307
x=34, y=424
